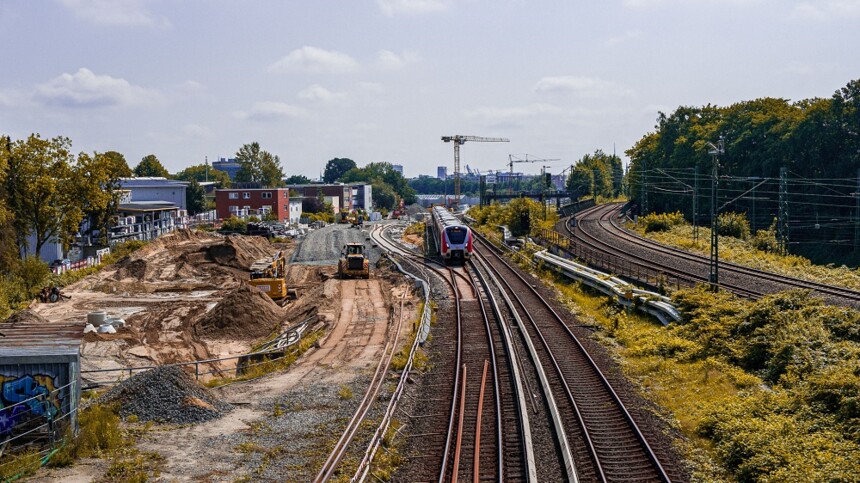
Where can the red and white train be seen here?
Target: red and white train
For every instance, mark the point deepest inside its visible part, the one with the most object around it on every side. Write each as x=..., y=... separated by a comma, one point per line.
x=453, y=237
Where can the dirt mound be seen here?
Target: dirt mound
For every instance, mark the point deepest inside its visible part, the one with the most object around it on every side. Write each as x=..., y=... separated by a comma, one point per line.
x=26, y=317
x=131, y=268
x=165, y=394
x=245, y=313
x=240, y=251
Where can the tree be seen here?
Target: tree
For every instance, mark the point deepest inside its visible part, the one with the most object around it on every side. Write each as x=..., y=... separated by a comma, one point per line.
x=43, y=191
x=96, y=180
x=297, y=179
x=259, y=166
x=336, y=168
x=202, y=173
x=8, y=251
x=150, y=166
x=195, y=198
x=382, y=173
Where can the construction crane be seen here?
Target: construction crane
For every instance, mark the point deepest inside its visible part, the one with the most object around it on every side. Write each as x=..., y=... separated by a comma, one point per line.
x=512, y=158
x=458, y=139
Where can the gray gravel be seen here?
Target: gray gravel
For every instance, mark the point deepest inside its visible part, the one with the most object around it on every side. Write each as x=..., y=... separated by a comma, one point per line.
x=165, y=395
x=323, y=246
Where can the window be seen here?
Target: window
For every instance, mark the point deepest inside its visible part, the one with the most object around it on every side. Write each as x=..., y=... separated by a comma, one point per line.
x=247, y=209
x=246, y=195
x=234, y=208
x=267, y=195
x=286, y=194
x=234, y=196
x=266, y=208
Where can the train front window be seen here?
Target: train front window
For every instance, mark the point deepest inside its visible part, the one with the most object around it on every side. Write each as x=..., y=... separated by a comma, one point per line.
x=456, y=235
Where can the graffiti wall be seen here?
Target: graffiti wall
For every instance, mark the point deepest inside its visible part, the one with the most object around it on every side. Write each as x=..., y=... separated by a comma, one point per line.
x=28, y=398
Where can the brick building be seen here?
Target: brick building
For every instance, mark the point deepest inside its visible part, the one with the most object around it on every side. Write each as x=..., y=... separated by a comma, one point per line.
x=253, y=201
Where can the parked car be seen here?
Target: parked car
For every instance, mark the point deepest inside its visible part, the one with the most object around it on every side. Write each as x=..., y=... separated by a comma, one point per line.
x=64, y=263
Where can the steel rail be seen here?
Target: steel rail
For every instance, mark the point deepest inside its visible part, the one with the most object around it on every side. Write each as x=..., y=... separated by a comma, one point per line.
x=593, y=365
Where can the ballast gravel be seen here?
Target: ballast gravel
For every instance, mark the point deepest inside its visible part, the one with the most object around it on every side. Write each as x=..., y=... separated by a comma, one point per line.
x=165, y=395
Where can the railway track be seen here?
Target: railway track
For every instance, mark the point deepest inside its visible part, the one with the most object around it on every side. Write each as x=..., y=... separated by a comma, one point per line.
x=484, y=437
x=606, y=441
x=599, y=229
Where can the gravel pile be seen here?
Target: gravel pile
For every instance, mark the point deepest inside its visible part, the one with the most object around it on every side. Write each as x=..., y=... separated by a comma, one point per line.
x=323, y=246
x=165, y=395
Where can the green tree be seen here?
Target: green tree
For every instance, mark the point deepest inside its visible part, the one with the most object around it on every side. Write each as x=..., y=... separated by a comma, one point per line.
x=202, y=173
x=96, y=180
x=33, y=274
x=8, y=247
x=335, y=168
x=384, y=196
x=382, y=173
x=150, y=166
x=259, y=166
x=195, y=198
x=297, y=179
x=43, y=191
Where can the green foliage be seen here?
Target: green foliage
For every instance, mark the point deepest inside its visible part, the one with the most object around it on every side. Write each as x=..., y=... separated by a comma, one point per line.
x=150, y=166
x=765, y=240
x=259, y=166
x=234, y=224
x=33, y=273
x=661, y=221
x=597, y=174
x=734, y=225
x=195, y=198
x=385, y=180
x=202, y=173
x=523, y=216
x=335, y=168
x=97, y=185
x=429, y=185
x=297, y=179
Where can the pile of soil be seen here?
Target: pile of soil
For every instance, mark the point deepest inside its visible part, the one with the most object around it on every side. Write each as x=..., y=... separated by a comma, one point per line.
x=165, y=395
x=240, y=251
x=26, y=317
x=245, y=313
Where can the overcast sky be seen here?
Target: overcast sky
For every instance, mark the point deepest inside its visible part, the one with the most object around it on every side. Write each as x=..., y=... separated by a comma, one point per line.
x=382, y=80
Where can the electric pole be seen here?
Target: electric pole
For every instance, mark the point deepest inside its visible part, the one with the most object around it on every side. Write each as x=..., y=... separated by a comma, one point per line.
x=782, y=217
x=715, y=151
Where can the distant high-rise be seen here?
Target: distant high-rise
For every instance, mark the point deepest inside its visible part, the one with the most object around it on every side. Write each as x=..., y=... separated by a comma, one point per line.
x=398, y=168
x=229, y=166
x=442, y=172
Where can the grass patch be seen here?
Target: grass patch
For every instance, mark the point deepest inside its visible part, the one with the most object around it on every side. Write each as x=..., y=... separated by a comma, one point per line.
x=263, y=368
x=745, y=252
x=345, y=393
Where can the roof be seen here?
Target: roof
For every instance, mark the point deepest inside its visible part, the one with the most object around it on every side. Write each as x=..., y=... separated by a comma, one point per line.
x=42, y=340
x=147, y=206
x=151, y=182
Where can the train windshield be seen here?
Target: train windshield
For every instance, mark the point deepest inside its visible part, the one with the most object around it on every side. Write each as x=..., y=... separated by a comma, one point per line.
x=456, y=235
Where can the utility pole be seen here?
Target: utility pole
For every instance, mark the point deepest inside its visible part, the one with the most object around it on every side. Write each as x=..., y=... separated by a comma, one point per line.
x=696, y=205
x=857, y=214
x=714, y=276
x=644, y=190
x=782, y=217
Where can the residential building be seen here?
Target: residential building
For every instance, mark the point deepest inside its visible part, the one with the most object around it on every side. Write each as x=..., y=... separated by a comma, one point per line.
x=362, y=197
x=295, y=210
x=341, y=191
x=154, y=189
x=230, y=166
x=146, y=220
x=442, y=172
x=259, y=201
x=398, y=168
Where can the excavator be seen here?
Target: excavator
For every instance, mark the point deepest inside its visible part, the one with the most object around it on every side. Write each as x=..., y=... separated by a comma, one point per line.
x=353, y=262
x=269, y=275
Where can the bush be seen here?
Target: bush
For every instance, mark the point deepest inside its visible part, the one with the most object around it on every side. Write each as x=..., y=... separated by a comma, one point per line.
x=765, y=240
x=734, y=225
x=661, y=221
x=234, y=224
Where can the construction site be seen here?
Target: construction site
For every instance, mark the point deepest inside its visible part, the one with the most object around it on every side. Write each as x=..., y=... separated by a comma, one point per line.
x=195, y=309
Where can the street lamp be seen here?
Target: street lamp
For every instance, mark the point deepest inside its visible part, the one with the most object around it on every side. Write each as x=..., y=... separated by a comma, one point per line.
x=715, y=151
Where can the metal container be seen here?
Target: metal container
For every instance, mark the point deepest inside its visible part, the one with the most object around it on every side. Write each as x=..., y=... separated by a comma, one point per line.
x=40, y=381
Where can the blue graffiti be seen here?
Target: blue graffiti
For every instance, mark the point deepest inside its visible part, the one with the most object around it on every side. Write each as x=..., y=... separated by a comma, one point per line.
x=26, y=398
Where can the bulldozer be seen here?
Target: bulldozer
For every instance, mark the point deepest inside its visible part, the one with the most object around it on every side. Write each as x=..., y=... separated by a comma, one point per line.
x=269, y=275
x=353, y=262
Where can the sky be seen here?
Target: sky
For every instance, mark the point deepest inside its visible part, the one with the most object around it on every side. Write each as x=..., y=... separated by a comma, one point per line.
x=383, y=80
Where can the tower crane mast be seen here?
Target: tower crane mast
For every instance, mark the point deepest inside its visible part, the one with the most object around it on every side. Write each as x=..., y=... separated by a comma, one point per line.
x=458, y=139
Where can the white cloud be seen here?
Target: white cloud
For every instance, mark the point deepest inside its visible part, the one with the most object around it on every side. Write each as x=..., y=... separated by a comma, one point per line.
x=115, y=12
x=372, y=87
x=826, y=9
x=272, y=111
x=6, y=99
x=387, y=59
x=314, y=59
x=589, y=87
x=318, y=93
x=620, y=39
x=85, y=89
x=391, y=8
x=512, y=115
x=197, y=131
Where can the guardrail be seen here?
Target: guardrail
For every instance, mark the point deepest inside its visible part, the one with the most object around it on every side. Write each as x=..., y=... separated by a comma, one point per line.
x=622, y=292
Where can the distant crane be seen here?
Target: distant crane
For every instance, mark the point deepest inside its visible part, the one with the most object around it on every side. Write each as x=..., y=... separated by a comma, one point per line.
x=512, y=158
x=458, y=139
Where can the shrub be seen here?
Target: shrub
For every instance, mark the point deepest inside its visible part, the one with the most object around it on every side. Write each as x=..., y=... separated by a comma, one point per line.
x=661, y=221
x=734, y=225
x=234, y=224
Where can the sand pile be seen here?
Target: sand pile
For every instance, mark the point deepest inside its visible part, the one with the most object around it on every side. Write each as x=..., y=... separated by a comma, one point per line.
x=26, y=317
x=167, y=395
x=245, y=313
x=240, y=251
